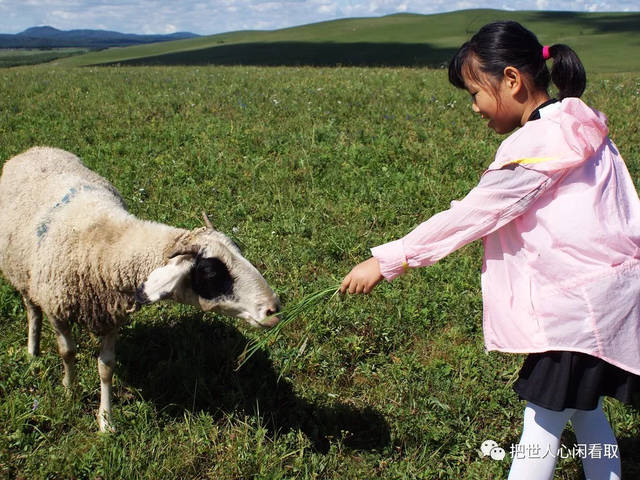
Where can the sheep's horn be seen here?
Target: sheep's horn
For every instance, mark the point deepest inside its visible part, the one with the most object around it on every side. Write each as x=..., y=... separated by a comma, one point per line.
x=185, y=250
x=207, y=222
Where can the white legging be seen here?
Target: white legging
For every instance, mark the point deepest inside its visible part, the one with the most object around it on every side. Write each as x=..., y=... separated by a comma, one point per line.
x=534, y=458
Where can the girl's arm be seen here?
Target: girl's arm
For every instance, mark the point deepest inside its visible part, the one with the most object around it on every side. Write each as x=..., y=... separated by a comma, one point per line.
x=501, y=196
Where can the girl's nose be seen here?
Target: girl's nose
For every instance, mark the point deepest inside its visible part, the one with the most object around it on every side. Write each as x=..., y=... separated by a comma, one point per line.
x=475, y=108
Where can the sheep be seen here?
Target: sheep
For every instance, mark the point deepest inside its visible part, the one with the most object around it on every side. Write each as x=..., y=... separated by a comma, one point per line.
x=73, y=252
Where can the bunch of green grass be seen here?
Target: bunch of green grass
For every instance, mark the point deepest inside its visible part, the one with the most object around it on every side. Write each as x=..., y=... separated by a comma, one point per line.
x=288, y=315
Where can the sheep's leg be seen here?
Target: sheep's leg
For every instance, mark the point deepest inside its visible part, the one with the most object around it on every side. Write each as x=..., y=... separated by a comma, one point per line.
x=106, y=362
x=67, y=349
x=34, y=319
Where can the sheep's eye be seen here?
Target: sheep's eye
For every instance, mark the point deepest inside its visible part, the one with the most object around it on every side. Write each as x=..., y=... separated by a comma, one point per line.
x=210, y=278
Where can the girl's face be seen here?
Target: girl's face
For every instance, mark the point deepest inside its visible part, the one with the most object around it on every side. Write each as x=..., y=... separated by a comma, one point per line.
x=495, y=102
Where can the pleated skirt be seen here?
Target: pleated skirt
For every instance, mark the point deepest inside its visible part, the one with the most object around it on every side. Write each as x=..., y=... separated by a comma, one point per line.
x=557, y=380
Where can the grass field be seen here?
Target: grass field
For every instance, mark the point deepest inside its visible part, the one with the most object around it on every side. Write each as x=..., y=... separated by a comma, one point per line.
x=306, y=168
x=606, y=42
x=19, y=56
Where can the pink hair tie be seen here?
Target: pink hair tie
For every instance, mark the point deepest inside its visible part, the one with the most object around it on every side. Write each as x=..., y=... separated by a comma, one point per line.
x=545, y=52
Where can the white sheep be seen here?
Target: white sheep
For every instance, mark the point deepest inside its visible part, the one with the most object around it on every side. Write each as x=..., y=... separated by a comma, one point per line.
x=70, y=248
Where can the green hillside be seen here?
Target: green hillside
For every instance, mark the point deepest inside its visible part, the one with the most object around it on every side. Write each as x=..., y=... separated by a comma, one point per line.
x=607, y=42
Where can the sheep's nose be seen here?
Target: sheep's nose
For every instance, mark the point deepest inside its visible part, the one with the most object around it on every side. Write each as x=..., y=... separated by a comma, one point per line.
x=274, y=307
x=269, y=315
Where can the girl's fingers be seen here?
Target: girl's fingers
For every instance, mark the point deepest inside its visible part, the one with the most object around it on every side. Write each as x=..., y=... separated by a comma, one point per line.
x=362, y=278
x=349, y=285
x=345, y=283
x=359, y=287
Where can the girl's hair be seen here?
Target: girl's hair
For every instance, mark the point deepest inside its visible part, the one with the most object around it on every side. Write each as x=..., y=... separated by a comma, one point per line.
x=502, y=44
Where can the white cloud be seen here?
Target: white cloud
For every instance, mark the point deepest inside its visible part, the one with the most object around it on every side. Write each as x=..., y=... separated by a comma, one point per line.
x=168, y=28
x=326, y=9
x=266, y=7
x=464, y=5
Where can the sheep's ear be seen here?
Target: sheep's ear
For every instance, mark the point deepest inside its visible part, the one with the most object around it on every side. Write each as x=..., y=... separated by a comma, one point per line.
x=163, y=281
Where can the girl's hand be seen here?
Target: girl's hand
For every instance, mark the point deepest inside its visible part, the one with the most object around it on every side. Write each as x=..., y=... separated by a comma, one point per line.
x=363, y=277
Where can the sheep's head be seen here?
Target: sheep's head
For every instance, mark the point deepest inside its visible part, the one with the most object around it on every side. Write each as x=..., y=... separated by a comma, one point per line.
x=206, y=269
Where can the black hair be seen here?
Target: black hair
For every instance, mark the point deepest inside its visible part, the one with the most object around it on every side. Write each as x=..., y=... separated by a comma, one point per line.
x=502, y=44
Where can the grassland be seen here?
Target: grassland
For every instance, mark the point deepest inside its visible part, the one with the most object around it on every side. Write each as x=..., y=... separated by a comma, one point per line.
x=19, y=57
x=606, y=42
x=306, y=168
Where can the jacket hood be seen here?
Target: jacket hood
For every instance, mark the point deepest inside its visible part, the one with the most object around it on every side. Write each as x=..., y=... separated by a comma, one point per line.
x=564, y=138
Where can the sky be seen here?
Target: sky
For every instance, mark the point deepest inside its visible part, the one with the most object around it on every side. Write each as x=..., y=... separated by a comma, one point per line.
x=216, y=16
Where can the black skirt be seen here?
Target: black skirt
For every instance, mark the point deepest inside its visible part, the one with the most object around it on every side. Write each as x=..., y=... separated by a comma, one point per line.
x=559, y=380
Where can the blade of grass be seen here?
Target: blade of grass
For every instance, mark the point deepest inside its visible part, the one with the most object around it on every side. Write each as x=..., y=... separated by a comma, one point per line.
x=286, y=316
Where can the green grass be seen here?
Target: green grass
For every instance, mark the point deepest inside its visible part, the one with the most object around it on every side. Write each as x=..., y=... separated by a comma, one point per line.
x=606, y=42
x=306, y=168
x=19, y=56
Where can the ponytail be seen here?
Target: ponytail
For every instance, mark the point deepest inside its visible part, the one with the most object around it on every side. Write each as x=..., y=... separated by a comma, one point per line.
x=502, y=44
x=567, y=72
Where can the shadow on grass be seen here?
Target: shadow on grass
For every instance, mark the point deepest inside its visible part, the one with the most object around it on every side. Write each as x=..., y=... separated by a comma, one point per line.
x=316, y=54
x=630, y=456
x=190, y=366
x=621, y=22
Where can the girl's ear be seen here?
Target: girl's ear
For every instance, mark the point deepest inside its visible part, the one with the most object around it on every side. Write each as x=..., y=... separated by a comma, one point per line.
x=513, y=79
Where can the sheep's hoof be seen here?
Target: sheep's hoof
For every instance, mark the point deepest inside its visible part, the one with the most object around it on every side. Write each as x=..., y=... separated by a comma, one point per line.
x=105, y=423
x=69, y=381
x=71, y=391
x=33, y=351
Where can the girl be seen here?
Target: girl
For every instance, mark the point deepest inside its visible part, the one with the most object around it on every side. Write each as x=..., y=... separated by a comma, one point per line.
x=560, y=222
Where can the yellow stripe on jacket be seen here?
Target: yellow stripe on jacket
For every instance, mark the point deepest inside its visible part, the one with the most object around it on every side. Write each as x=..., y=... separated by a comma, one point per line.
x=530, y=160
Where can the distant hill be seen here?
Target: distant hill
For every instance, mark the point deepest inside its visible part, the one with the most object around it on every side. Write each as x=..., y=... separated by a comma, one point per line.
x=606, y=42
x=49, y=37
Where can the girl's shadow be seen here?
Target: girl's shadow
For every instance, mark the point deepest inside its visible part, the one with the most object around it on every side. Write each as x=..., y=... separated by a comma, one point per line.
x=191, y=366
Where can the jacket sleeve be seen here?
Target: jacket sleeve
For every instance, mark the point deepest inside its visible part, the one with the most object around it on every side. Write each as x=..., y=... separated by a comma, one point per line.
x=501, y=196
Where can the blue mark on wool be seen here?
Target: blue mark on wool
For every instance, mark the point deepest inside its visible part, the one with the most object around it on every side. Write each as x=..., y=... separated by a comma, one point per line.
x=43, y=227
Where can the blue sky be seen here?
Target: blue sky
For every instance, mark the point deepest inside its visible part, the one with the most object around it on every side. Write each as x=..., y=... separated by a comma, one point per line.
x=216, y=16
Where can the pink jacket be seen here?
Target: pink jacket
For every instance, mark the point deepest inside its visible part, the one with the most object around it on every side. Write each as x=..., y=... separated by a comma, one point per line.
x=560, y=221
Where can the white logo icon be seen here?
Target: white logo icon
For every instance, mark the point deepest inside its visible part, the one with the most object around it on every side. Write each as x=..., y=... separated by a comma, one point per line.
x=490, y=448
x=498, y=453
